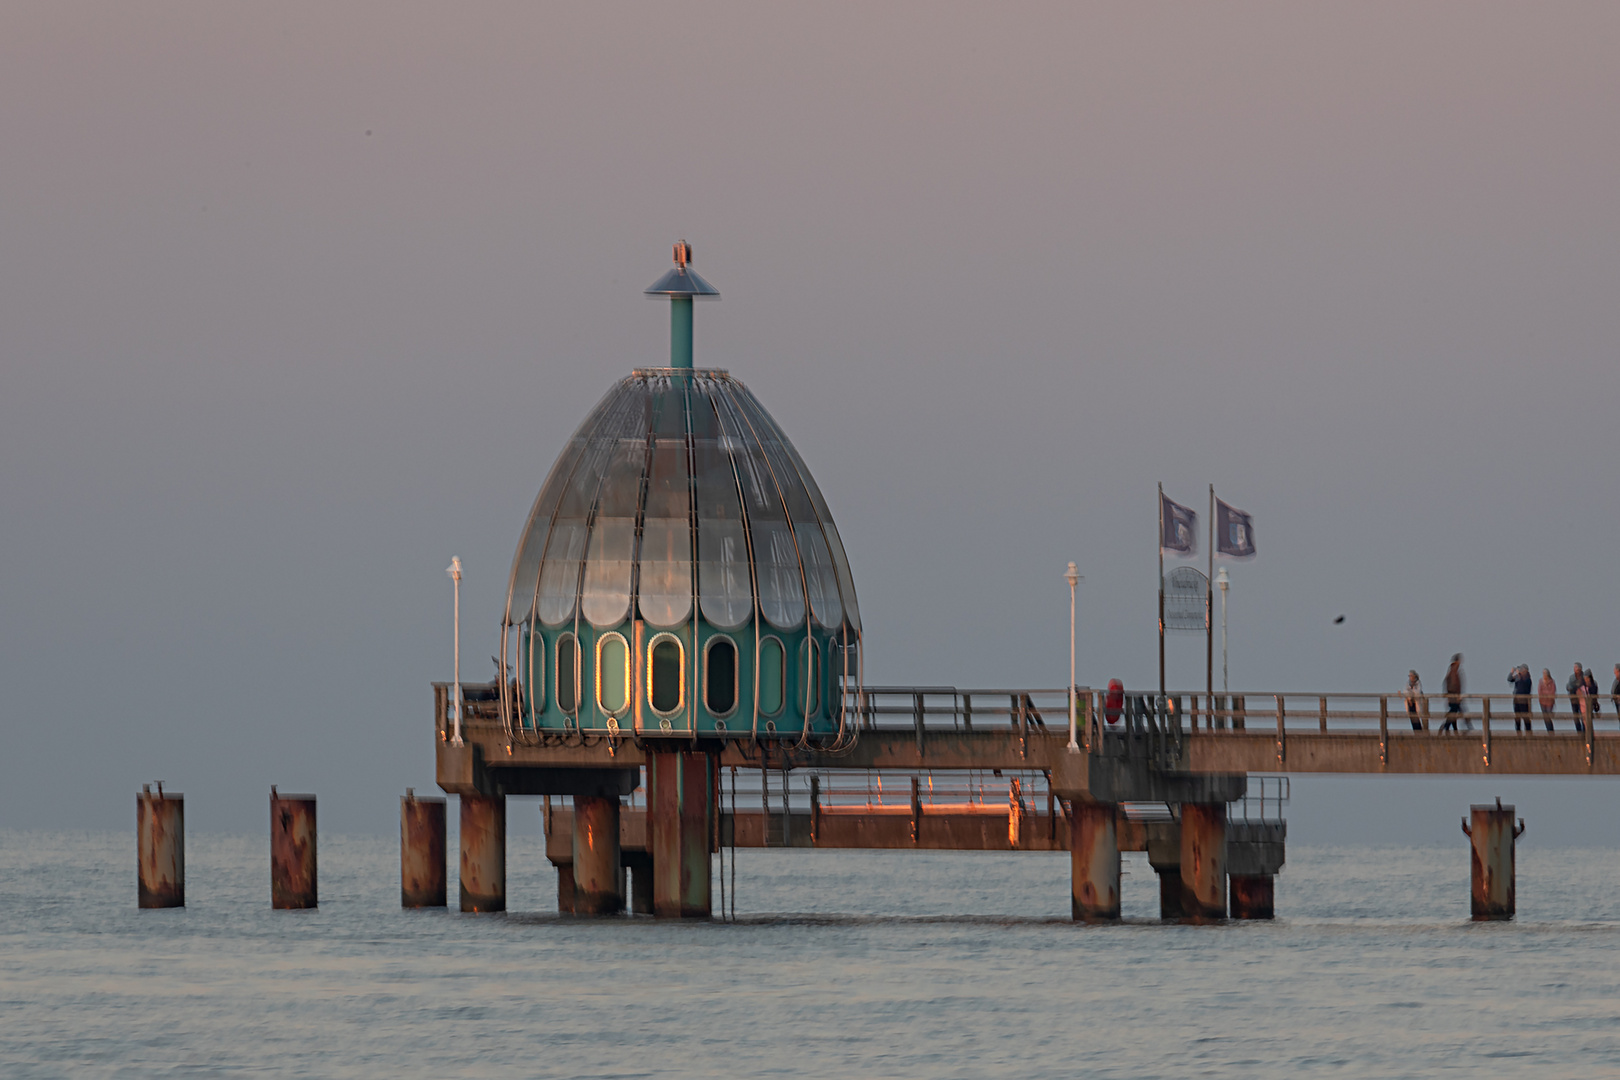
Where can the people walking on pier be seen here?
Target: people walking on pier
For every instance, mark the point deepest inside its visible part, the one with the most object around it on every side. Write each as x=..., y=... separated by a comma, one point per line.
x=1548, y=692
x=1414, y=691
x=1594, y=697
x=1453, y=686
x=1614, y=691
x=1575, y=687
x=1520, y=678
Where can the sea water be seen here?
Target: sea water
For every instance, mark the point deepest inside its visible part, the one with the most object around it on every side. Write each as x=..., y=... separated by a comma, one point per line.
x=840, y=964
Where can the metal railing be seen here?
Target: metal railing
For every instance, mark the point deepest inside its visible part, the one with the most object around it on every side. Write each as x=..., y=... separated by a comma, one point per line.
x=1360, y=712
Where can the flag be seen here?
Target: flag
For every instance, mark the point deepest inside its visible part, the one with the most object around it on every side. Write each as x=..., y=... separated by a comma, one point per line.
x=1178, y=527
x=1234, y=532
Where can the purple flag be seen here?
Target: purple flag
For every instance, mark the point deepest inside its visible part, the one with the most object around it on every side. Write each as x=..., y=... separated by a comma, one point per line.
x=1234, y=532
x=1178, y=527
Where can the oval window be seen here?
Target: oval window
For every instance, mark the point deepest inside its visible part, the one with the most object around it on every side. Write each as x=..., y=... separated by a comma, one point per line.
x=664, y=682
x=567, y=674
x=770, y=676
x=537, y=673
x=810, y=677
x=612, y=674
x=720, y=676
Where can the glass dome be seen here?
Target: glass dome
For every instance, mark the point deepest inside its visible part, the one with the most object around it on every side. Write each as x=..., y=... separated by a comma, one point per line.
x=679, y=513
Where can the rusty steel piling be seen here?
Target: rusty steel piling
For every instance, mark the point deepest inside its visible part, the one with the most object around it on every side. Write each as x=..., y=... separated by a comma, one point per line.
x=1094, y=859
x=1491, y=859
x=680, y=800
x=160, y=849
x=1253, y=896
x=292, y=851
x=422, y=870
x=597, y=873
x=1203, y=861
x=483, y=853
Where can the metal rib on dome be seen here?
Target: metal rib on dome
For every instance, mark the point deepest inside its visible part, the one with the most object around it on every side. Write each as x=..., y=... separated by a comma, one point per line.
x=680, y=492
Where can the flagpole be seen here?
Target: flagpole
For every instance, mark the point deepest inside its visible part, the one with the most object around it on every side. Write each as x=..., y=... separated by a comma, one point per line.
x=1209, y=614
x=1161, y=592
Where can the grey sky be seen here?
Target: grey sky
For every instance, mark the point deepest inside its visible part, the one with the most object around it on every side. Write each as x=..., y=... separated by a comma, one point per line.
x=297, y=301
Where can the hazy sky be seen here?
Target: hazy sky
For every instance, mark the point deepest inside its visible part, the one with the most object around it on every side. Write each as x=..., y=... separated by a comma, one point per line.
x=299, y=300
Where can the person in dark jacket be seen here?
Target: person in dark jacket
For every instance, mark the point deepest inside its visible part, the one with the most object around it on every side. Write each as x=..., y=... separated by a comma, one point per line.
x=1576, y=689
x=1453, y=687
x=1520, y=678
x=1594, y=697
x=1614, y=691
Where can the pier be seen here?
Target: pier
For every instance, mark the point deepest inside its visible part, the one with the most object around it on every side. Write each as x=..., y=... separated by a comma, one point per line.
x=1198, y=783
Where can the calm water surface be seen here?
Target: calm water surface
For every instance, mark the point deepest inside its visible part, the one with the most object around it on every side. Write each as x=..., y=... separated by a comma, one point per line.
x=843, y=964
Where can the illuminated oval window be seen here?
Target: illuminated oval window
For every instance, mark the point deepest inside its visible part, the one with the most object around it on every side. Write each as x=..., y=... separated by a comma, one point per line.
x=567, y=673
x=720, y=676
x=770, y=676
x=809, y=677
x=612, y=674
x=664, y=671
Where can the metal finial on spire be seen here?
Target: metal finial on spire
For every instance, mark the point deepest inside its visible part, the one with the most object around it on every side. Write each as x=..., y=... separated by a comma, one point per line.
x=682, y=285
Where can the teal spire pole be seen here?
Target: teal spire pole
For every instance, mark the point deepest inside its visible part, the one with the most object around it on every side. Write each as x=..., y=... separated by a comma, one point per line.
x=682, y=285
x=680, y=332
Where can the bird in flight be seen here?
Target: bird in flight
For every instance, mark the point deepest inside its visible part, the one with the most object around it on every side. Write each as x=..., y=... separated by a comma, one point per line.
x=1339, y=620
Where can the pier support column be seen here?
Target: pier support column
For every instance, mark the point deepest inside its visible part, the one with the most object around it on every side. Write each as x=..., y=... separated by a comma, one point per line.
x=160, y=849
x=1203, y=861
x=1254, y=896
x=597, y=875
x=422, y=870
x=1164, y=856
x=680, y=800
x=1492, y=859
x=483, y=853
x=1255, y=851
x=640, y=865
x=1094, y=862
x=292, y=851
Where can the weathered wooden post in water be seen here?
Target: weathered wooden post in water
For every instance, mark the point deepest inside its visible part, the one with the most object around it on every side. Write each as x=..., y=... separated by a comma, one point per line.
x=292, y=851
x=160, y=849
x=422, y=869
x=1203, y=861
x=1491, y=859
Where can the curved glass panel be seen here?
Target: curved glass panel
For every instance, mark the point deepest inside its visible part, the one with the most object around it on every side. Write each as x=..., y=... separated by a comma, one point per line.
x=727, y=594
x=819, y=574
x=666, y=538
x=520, y=589
x=793, y=474
x=720, y=676
x=665, y=672
x=604, y=597
x=612, y=674
x=771, y=666
x=776, y=558
x=567, y=673
x=559, y=574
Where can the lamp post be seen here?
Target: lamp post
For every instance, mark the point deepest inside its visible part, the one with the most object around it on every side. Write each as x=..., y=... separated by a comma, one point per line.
x=454, y=570
x=1074, y=580
x=1222, y=580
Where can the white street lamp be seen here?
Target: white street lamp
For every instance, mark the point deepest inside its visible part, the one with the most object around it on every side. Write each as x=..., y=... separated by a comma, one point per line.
x=1222, y=580
x=454, y=570
x=1074, y=579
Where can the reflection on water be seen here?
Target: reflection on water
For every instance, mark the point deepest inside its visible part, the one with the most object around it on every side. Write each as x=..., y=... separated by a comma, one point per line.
x=842, y=964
